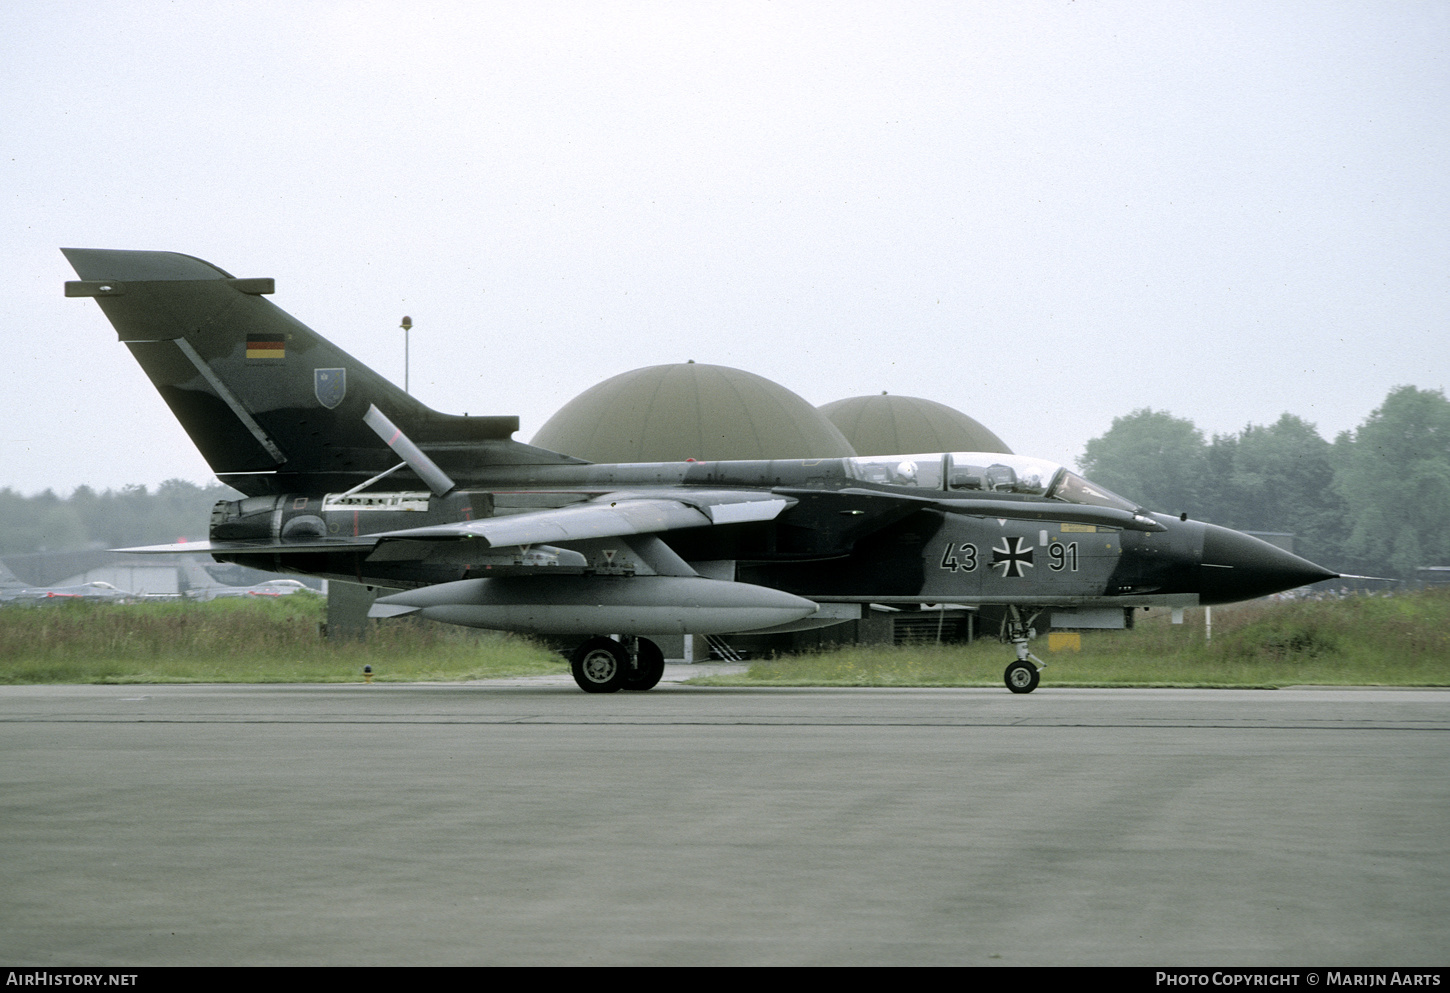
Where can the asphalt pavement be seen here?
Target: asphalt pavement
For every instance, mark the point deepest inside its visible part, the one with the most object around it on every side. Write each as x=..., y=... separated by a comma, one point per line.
x=526, y=822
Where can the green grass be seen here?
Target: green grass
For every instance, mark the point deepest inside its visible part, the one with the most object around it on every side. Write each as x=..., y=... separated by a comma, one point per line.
x=1364, y=641
x=243, y=641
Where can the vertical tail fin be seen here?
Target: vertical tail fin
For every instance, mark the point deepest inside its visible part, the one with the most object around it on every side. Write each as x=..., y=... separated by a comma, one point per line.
x=272, y=405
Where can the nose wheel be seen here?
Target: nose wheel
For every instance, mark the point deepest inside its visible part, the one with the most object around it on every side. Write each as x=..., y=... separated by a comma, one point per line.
x=1023, y=675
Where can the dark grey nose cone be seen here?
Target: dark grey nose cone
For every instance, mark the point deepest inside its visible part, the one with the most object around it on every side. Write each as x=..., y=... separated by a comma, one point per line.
x=1237, y=566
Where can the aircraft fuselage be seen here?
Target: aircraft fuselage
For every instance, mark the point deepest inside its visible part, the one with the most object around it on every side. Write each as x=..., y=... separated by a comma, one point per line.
x=841, y=539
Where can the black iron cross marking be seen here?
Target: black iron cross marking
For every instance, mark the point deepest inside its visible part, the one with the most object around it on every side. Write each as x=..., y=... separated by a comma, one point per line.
x=1011, y=557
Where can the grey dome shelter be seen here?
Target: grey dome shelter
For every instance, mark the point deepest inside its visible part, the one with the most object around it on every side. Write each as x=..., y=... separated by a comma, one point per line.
x=688, y=410
x=898, y=425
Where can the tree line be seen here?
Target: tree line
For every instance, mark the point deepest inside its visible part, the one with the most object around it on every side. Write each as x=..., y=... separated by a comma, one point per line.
x=1376, y=501
x=112, y=519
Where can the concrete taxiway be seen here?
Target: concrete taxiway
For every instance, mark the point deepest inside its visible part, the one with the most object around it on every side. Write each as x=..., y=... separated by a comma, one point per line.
x=530, y=823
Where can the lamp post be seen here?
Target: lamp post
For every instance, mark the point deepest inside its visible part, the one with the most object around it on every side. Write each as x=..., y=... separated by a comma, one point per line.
x=407, y=326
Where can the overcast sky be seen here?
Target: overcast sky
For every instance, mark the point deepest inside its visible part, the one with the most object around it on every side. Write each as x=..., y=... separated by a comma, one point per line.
x=1043, y=214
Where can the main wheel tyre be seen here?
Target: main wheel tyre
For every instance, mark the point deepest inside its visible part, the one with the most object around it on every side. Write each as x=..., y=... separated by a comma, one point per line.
x=650, y=667
x=600, y=665
x=1021, y=677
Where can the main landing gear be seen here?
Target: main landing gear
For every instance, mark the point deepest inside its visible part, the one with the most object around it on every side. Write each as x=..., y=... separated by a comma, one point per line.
x=603, y=665
x=1022, y=675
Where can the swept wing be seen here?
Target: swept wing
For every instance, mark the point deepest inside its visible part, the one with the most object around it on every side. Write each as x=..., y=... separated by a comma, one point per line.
x=613, y=515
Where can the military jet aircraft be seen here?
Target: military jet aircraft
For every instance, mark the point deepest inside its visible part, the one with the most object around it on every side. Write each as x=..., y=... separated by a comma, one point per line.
x=84, y=591
x=481, y=530
x=270, y=588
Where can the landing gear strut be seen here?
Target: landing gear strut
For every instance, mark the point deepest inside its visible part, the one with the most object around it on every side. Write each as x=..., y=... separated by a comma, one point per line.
x=603, y=665
x=1022, y=675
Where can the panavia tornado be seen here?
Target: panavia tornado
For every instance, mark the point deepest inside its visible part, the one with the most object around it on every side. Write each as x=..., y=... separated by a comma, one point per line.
x=349, y=478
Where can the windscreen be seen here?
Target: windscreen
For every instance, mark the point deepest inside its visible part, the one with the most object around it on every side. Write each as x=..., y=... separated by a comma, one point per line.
x=1072, y=488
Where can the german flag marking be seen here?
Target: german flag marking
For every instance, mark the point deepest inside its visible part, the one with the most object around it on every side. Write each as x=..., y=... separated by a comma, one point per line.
x=266, y=346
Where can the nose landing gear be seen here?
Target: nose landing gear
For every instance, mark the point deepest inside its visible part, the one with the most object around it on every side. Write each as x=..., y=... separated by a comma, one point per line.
x=1022, y=675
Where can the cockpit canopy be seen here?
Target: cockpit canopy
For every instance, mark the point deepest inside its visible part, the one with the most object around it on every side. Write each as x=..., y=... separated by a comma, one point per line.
x=968, y=473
